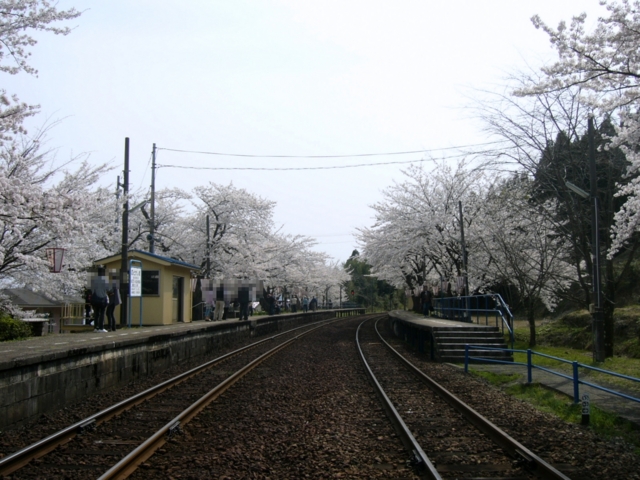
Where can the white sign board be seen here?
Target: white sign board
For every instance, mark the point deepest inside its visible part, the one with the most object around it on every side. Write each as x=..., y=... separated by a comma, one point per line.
x=135, y=282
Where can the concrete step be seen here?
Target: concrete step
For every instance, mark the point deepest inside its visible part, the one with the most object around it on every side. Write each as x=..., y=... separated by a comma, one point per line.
x=458, y=359
x=478, y=333
x=469, y=340
x=450, y=343
x=476, y=328
x=474, y=352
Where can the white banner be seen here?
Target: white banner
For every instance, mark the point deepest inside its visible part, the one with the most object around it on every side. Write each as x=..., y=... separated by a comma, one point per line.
x=135, y=282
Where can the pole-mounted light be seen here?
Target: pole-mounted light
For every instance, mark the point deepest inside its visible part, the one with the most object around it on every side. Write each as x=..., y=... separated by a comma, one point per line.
x=55, y=256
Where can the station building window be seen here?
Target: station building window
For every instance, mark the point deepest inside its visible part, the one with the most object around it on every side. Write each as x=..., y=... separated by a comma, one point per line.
x=150, y=282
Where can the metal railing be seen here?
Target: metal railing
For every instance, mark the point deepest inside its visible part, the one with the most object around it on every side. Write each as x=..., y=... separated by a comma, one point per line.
x=575, y=378
x=198, y=311
x=477, y=309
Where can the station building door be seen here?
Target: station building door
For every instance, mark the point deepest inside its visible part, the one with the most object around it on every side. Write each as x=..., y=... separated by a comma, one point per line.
x=177, y=300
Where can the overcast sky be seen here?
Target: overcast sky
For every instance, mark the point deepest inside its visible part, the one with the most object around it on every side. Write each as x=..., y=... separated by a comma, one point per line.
x=289, y=77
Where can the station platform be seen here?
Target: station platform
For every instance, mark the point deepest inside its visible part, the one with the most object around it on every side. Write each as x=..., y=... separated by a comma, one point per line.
x=623, y=408
x=55, y=346
x=42, y=374
x=444, y=340
x=430, y=322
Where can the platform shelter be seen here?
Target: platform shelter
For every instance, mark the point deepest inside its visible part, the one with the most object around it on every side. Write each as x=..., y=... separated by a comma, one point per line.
x=166, y=288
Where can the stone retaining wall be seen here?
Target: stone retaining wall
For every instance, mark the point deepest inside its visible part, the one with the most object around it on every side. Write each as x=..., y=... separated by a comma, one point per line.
x=33, y=386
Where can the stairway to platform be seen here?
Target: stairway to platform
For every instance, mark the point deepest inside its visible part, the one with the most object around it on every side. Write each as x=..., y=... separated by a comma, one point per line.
x=449, y=343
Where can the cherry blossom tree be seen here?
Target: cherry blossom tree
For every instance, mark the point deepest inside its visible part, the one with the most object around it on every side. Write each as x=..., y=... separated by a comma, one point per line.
x=509, y=239
x=18, y=19
x=416, y=235
x=43, y=204
x=44, y=207
x=238, y=222
x=522, y=248
x=545, y=137
x=605, y=65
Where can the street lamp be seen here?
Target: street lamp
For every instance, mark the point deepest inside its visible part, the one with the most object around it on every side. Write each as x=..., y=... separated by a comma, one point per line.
x=55, y=256
x=596, y=311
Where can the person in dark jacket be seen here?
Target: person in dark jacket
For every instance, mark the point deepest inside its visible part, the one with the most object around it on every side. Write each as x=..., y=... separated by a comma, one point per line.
x=272, y=304
x=99, y=299
x=243, y=299
x=426, y=298
x=114, y=300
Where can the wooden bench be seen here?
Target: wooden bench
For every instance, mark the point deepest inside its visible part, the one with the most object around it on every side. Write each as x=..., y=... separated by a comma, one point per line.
x=72, y=319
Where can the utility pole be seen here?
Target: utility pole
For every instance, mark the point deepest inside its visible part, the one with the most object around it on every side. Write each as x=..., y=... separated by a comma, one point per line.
x=152, y=227
x=208, y=270
x=117, y=201
x=124, y=268
x=464, y=252
x=464, y=264
x=598, y=321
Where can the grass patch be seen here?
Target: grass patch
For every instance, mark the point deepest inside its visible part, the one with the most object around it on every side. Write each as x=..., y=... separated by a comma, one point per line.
x=497, y=379
x=618, y=364
x=603, y=423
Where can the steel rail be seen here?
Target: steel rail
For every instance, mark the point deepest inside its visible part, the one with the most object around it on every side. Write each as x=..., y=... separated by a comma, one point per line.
x=506, y=442
x=127, y=465
x=19, y=459
x=407, y=438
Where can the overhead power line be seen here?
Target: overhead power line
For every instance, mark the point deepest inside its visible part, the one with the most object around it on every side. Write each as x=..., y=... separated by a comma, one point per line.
x=409, y=152
x=334, y=167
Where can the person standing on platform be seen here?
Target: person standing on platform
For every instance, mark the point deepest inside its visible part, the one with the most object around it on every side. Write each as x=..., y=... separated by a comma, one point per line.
x=99, y=299
x=228, y=308
x=305, y=304
x=114, y=300
x=243, y=298
x=425, y=297
x=272, y=304
x=219, y=312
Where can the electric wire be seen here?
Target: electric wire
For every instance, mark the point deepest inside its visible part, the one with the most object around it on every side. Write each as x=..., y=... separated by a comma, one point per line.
x=146, y=169
x=409, y=152
x=330, y=167
x=333, y=167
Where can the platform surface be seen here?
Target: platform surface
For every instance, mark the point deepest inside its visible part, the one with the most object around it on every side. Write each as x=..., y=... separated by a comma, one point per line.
x=432, y=322
x=60, y=345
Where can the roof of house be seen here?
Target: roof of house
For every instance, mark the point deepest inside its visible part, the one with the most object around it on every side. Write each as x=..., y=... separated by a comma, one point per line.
x=23, y=297
x=158, y=258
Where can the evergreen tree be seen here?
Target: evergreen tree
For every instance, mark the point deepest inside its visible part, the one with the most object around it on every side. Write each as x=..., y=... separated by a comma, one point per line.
x=567, y=159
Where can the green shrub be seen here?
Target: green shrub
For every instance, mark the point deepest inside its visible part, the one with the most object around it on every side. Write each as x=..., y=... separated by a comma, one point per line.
x=12, y=329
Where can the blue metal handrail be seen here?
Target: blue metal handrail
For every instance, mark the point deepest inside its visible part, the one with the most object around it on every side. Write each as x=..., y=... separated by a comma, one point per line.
x=575, y=378
x=465, y=308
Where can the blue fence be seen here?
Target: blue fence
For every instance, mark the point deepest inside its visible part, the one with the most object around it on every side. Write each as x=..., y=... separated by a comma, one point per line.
x=575, y=378
x=481, y=309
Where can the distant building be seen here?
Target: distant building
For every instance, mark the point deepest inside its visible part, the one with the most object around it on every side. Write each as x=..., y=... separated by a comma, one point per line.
x=39, y=304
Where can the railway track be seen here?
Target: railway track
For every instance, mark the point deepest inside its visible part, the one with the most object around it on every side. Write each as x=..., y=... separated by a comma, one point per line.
x=87, y=448
x=460, y=443
x=309, y=411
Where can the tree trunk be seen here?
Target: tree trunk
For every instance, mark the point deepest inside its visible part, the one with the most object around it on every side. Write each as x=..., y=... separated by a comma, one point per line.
x=532, y=324
x=608, y=307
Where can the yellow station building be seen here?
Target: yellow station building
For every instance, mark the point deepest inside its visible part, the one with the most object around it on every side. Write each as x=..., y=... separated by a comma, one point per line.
x=166, y=287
